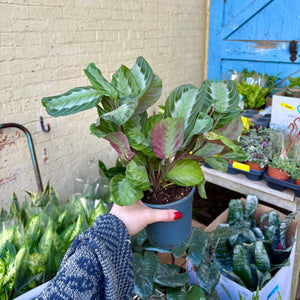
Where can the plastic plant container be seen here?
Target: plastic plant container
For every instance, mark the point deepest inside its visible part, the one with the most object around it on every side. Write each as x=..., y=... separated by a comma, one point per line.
x=281, y=185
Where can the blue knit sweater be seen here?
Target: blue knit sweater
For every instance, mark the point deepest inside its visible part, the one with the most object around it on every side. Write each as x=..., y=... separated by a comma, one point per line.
x=97, y=265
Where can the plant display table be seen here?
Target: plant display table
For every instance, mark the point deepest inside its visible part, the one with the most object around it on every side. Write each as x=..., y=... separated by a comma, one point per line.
x=239, y=183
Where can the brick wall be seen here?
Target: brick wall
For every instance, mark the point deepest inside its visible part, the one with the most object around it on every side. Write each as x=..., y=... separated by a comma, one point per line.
x=44, y=47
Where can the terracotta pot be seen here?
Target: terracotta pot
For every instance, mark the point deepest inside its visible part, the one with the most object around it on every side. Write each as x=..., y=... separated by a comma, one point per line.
x=254, y=166
x=297, y=181
x=277, y=174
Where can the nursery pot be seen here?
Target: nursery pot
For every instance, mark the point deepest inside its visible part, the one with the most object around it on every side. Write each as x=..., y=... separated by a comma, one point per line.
x=170, y=235
x=277, y=174
x=254, y=166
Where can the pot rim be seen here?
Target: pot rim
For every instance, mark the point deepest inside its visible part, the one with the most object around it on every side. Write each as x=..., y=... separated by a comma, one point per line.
x=173, y=204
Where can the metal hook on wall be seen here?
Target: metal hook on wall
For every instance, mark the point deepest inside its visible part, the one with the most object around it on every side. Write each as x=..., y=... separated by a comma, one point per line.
x=31, y=149
x=43, y=126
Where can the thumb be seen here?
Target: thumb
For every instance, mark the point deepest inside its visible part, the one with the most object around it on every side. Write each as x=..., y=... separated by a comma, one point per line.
x=165, y=215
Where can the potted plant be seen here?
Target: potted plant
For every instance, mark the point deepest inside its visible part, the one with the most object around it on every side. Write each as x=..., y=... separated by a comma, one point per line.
x=284, y=161
x=296, y=175
x=255, y=249
x=256, y=145
x=156, y=277
x=35, y=235
x=164, y=151
x=254, y=87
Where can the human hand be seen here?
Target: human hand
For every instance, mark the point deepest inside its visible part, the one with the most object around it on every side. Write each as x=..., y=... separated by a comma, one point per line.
x=137, y=216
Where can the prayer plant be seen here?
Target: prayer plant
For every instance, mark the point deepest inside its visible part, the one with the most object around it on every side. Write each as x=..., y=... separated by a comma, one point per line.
x=197, y=125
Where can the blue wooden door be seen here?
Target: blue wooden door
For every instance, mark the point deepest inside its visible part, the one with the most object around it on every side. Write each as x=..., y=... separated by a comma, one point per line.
x=253, y=34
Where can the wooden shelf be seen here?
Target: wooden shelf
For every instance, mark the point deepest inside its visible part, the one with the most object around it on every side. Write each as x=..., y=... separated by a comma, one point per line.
x=241, y=184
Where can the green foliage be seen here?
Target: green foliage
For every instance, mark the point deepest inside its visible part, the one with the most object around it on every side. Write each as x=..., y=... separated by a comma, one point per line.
x=247, y=252
x=36, y=235
x=294, y=82
x=254, y=87
x=256, y=144
x=153, y=278
x=164, y=148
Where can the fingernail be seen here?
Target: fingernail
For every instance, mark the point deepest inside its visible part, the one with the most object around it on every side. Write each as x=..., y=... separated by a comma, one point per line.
x=177, y=215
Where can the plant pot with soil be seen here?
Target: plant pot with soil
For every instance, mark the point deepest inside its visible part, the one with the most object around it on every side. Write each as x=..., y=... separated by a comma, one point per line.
x=257, y=147
x=285, y=146
x=159, y=151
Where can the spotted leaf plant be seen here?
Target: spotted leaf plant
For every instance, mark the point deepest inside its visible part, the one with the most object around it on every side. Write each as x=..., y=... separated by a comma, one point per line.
x=196, y=125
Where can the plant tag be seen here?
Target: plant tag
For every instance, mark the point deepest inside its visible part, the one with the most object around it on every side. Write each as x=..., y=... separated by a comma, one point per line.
x=241, y=166
x=287, y=106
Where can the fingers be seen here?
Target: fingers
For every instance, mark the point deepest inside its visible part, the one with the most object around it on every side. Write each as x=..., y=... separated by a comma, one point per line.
x=166, y=215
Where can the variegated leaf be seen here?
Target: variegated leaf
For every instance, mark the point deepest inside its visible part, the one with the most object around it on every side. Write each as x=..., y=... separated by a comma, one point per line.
x=99, y=82
x=73, y=101
x=123, y=192
x=123, y=113
x=167, y=137
x=185, y=102
x=124, y=82
x=119, y=142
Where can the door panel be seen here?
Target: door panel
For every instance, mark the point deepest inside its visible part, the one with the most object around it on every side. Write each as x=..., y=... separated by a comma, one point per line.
x=253, y=34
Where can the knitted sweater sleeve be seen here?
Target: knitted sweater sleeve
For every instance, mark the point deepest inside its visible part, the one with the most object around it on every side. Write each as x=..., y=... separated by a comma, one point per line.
x=97, y=265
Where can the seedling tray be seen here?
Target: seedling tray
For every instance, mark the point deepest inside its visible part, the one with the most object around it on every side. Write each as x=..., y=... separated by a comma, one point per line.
x=281, y=185
x=251, y=175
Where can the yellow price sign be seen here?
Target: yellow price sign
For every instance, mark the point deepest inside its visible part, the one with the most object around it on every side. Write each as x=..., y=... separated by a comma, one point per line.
x=240, y=166
x=287, y=106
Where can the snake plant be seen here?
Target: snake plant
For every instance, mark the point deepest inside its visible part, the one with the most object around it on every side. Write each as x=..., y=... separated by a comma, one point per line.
x=249, y=252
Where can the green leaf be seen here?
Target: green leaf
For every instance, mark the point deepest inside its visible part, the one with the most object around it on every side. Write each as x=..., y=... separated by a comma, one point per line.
x=123, y=113
x=212, y=136
x=137, y=174
x=197, y=246
x=96, y=212
x=224, y=95
x=186, y=172
x=46, y=241
x=123, y=192
x=208, y=276
x=71, y=102
x=274, y=219
x=124, y=81
x=14, y=266
x=32, y=228
x=167, y=137
x=185, y=101
x=251, y=206
x=144, y=267
x=168, y=275
x=99, y=82
x=201, y=189
x=233, y=129
x=150, y=96
x=285, y=224
x=241, y=266
x=119, y=142
x=218, y=163
x=235, y=211
x=67, y=234
x=195, y=292
x=138, y=141
x=262, y=260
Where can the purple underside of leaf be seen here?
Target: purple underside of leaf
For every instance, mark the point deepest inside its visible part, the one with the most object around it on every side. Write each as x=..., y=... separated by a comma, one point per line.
x=167, y=137
x=119, y=142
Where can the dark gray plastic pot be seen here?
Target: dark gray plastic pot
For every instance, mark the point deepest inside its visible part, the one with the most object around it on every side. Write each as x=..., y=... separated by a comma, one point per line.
x=170, y=235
